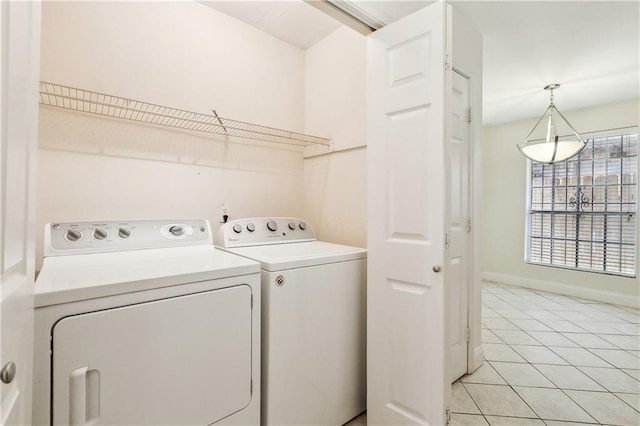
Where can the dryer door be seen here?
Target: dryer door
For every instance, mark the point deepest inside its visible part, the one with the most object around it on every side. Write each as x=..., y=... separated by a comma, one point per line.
x=183, y=360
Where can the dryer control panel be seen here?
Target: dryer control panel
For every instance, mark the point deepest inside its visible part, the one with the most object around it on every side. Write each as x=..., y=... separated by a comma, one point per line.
x=67, y=238
x=257, y=231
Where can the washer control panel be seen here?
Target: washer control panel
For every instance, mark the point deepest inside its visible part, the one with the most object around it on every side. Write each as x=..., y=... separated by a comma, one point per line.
x=65, y=238
x=263, y=230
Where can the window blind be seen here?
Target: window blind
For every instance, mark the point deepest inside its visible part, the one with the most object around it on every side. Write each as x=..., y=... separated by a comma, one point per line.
x=582, y=212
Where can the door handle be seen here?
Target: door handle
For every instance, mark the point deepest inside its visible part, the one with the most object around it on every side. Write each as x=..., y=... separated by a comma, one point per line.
x=84, y=397
x=8, y=372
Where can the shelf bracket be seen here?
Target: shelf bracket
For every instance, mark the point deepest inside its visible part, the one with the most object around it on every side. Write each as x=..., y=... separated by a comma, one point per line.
x=220, y=121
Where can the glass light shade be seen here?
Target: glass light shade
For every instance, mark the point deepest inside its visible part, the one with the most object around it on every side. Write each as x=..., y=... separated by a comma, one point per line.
x=543, y=144
x=543, y=151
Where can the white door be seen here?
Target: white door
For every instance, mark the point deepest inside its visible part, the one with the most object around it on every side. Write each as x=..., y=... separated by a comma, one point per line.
x=458, y=218
x=408, y=84
x=20, y=58
x=183, y=360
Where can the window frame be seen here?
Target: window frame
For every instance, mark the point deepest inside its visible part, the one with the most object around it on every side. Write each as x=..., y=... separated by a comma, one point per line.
x=529, y=211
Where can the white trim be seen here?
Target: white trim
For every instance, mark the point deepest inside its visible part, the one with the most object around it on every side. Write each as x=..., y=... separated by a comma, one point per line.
x=476, y=360
x=566, y=289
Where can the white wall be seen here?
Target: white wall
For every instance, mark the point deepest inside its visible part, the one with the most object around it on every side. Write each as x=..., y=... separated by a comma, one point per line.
x=504, y=210
x=335, y=100
x=180, y=54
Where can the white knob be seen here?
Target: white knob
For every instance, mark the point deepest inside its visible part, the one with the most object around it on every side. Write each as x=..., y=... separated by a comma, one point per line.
x=73, y=235
x=176, y=230
x=251, y=227
x=292, y=225
x=272, y=225
x=124, y=232
x=100, y=234
x=237, y=228
x=302, y=225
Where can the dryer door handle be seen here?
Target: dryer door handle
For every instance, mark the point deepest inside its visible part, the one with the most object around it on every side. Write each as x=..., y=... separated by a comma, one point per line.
x=84, y=396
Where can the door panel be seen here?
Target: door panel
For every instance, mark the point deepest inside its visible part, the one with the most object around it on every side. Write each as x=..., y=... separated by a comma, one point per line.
x=20, y=55
x=183, y=360
x=459, y=215
x=406, y=340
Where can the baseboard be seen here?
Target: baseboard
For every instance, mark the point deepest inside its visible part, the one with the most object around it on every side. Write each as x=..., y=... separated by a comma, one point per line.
x=566, y=289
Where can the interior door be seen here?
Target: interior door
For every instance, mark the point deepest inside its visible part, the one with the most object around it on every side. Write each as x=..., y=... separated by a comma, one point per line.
x=20, y=56
x=408, y=85
x=458, y=218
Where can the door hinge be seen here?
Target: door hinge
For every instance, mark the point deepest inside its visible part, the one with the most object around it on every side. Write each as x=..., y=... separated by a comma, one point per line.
x=469, y=228
x=468, y=334
x=447, y=414
x=469, y=115
x=447, y=240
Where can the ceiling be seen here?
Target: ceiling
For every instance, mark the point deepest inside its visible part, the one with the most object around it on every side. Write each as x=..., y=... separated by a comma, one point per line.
x=292, y=21
x=592, y=48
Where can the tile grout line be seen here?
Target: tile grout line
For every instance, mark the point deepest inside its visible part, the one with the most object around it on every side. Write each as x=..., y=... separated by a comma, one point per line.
x=578, y=346
x=475, y=403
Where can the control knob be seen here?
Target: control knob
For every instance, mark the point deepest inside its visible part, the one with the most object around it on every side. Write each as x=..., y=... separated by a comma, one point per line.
x=302, y=226
x=100, y=234
x=251, y=227
x=237, y=228
x=73, y=235
x=124, y=232
x=292, y=225
x=176, y=230
x=272, y=225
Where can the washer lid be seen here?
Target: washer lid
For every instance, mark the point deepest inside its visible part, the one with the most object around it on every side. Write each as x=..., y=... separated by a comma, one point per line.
x=278, y=257
x=66, y=279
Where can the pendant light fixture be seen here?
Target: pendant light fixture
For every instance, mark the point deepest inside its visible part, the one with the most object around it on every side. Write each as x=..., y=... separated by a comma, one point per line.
x=545, y=145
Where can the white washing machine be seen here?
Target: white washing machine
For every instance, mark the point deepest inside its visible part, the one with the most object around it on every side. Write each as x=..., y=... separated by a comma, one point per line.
x=313, y=320
x=145, y=323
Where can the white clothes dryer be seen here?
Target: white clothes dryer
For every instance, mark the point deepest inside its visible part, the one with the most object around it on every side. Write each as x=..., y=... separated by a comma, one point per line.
x=145, y=323
x=313, y=320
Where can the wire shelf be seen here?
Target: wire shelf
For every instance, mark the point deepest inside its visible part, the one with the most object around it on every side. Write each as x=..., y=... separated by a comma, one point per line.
x=75, y=99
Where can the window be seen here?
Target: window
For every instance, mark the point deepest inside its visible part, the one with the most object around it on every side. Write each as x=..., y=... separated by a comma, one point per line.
x=582, y=212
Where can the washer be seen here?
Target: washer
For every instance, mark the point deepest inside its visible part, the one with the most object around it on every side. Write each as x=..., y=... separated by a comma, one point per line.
x=146, y=323
x=313, y=320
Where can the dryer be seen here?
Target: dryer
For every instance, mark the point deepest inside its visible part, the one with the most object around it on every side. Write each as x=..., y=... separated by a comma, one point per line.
x=146, y=323
x=313, y=320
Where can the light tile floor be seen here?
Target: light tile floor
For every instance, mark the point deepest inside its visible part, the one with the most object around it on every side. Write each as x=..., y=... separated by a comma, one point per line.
x=552, y=360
